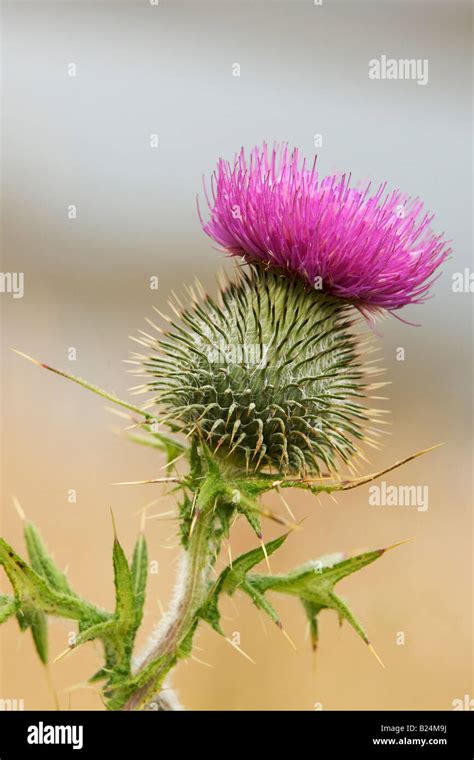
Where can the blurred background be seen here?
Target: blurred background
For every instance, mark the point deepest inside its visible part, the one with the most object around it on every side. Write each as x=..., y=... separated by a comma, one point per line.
x=86, y=86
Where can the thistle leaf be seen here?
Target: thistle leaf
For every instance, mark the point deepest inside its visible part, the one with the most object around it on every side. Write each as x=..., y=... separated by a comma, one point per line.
x=124, y=594
x=102, y=630
x=40, y=591
x=231, y=578
x=314, y=582
x=260, y=601
x=31, y=589
x=250, y=509
x=39, y=631
x=234, y=577
x=139, y=572
x=27, y=584
x=117, y=633
x=42, y=562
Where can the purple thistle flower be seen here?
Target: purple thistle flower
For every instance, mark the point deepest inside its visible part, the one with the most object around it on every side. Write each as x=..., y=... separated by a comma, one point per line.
x=375, y=250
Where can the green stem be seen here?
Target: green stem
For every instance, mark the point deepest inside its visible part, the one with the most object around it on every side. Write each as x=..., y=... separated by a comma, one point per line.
x=190, y=593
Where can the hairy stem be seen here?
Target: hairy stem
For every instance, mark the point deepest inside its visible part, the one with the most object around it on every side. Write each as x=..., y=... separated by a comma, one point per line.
x=190, y=592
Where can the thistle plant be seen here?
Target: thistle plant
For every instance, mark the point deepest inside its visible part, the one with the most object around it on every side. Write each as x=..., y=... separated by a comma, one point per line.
x=266, y=387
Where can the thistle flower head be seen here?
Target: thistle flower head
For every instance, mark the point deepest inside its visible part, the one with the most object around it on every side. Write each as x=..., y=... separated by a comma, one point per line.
x=268, y=376
x=375, y=249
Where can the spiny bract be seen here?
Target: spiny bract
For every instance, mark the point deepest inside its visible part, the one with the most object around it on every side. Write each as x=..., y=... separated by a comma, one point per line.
x=268, y=376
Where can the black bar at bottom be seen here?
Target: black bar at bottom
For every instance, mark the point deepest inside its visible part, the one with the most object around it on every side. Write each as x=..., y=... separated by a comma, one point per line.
x=85, y=734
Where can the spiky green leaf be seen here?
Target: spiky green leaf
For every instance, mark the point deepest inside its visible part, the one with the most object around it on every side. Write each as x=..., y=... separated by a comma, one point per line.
x=233, y=577
x=32, y=590
x=314, y=582
x=42, y=562
x=139, y=573
x=39, y=631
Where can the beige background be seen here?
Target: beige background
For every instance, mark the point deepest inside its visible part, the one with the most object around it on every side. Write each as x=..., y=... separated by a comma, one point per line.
x=85, y=141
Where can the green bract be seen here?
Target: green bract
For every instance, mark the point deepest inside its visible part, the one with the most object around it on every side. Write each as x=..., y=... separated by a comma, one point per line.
x=268, y=376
